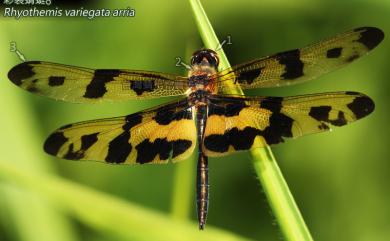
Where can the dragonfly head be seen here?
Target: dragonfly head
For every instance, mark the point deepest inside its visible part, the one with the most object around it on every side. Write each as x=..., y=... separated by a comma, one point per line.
x=205, y=57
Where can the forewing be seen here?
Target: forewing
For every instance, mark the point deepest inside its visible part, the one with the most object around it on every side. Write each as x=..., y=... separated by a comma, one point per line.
x=238, y=123
x=152, y=136
x=298, y=65
x=77, y=84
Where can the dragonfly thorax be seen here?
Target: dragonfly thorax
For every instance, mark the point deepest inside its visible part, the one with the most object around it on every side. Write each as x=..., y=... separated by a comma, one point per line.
x=202, y=77
x=199, y=81
x=199, y=97
x=202, y=80
x=204, y=64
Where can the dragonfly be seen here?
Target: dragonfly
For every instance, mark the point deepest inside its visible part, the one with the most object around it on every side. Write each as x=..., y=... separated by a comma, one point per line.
x=202, y=117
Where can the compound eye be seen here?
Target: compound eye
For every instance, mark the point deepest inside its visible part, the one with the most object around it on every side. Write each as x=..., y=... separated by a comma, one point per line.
x=196, y=59
x=213, y=60
x=208, y=54
x=216, y=60
x=193, y=60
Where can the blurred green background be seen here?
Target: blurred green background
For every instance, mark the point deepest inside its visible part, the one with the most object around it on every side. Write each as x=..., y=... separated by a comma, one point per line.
x=339, y=179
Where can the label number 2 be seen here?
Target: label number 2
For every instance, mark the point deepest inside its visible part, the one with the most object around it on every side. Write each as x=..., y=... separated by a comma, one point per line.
x=178, y=63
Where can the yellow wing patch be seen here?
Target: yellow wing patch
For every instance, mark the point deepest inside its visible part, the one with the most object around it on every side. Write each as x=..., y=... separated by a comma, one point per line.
x=234, y=122
x=77, y=84
x=152, y=136
x=298, y=65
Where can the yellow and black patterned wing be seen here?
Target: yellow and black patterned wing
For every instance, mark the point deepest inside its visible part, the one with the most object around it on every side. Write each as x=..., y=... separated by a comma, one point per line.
x=152, y=136
x=234, y=123
x=298, y=65
x=77, y=84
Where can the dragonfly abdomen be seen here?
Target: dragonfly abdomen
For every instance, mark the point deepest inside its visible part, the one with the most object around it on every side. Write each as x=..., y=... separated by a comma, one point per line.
x=202, y=183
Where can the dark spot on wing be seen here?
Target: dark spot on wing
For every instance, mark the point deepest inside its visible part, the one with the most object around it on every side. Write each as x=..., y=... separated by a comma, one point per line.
x=54, y=142
x=131, y=121
x=97, y=87
x=147, y=151
x=215, y=109
x=334, y=53
x=323, y=126
x=274, y=104
x=239, y=139
x=164, y=116
x=234, y=109
x=361, y=106
x=32, y=89
x=242, y=140
x=280, y=126
x=226, y=108
x=249, y=76
x=88, y=140
x=21, y=72
x=180, y=146
x=141, y=86
x=340, y=121
x=217, y=142
x=56, y=80
x=352, y=57
x=321, y=113
x=292, y=62
x=370, y=36
x=73, y=155
x=119, y=148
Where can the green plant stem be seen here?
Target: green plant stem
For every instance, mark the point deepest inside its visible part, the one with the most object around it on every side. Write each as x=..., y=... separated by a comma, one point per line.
x=275, y=187
x=280, y=198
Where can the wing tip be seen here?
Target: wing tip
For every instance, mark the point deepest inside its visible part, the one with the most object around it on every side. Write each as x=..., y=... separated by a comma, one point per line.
x=362, y=105
x=370, y=36
x=21, y=71
x=54, y=142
